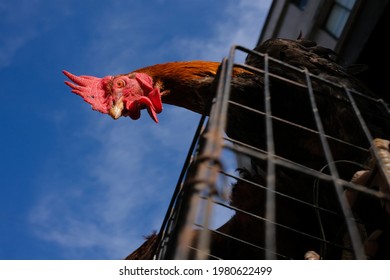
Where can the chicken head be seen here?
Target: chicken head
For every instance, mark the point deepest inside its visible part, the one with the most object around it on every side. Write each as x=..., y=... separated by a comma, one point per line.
x=122, y=95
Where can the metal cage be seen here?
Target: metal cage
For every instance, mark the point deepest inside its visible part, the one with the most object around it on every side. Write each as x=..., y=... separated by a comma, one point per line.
x=295, y=195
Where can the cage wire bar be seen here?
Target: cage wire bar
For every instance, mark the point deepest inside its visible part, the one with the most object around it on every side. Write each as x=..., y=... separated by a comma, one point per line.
x=352, y=228
x=339, y=227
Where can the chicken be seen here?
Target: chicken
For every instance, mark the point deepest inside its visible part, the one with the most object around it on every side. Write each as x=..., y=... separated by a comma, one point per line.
x=184, y=84
x=191, y=85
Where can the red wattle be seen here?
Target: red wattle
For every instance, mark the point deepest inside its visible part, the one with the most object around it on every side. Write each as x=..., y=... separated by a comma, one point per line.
x=155, y=98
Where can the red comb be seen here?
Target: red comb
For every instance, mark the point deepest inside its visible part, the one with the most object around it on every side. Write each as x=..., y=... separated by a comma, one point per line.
x=91, y=89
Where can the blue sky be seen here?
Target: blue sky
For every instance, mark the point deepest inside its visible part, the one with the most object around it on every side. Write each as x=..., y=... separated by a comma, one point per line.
x=75, y=184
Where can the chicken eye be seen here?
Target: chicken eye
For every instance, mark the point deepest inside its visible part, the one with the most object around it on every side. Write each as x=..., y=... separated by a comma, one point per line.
x=120, y=83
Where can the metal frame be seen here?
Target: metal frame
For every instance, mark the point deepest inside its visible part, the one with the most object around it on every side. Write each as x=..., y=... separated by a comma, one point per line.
x=186, y=232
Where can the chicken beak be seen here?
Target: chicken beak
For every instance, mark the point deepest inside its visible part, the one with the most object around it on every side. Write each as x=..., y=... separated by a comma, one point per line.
x=116, y=110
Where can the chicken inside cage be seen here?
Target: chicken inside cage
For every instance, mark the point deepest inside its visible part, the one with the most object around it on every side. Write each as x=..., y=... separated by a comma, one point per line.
x=310, y=175
x=313, y=182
